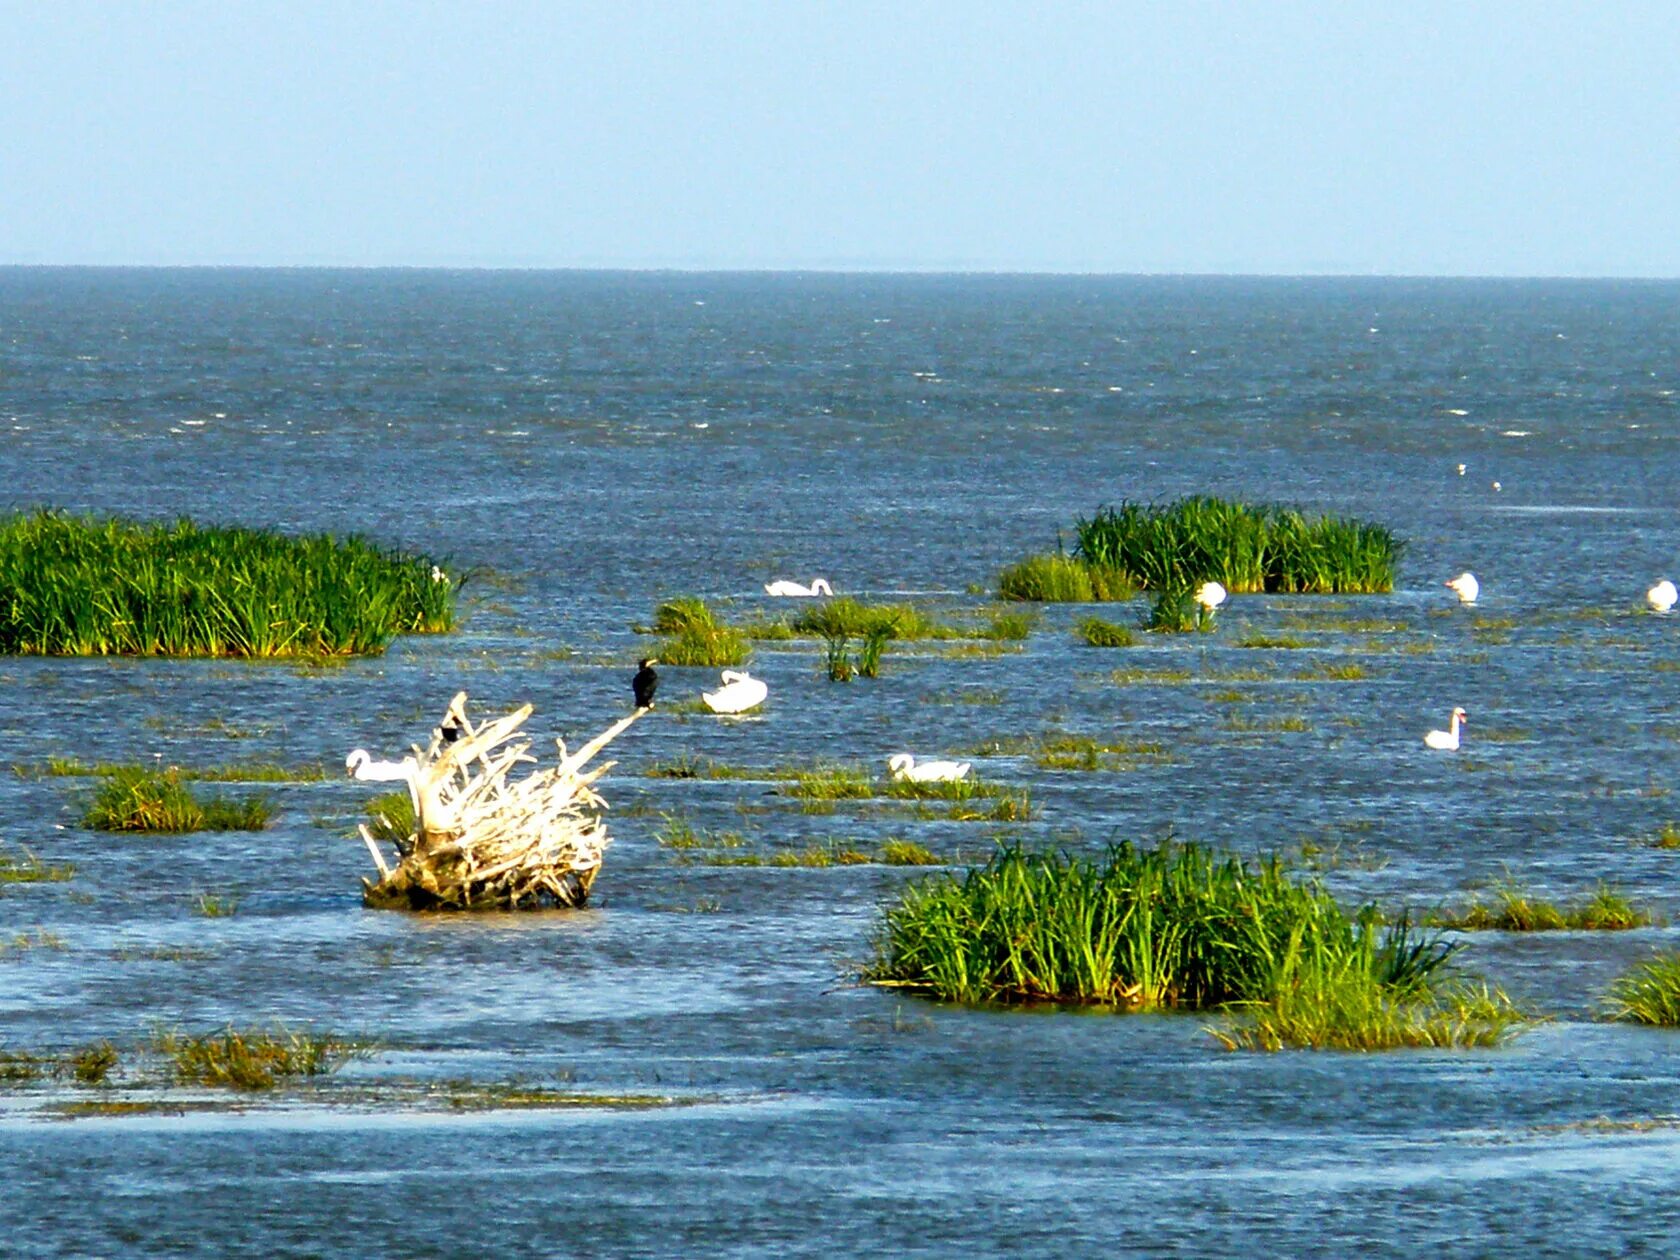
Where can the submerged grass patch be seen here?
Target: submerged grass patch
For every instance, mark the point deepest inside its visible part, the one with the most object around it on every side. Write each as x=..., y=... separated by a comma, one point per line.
x=1181, y=927
x=1245, y=547
x=1099, y=633
x=85, y=586
x=235, y=772
x=1511, y=909
x=30, y=869
x=140, y=800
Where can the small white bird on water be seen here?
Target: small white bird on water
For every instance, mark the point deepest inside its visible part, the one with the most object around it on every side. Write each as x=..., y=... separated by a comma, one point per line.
x=361, y=766
x=903, y=766
x=1447, y=740
x=1210, y=595
x=819, y=586
x=740, y=692
x=1662, y=596
x=1466, y=586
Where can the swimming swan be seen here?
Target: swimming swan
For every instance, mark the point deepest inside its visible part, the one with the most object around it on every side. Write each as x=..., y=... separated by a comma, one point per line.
x=1466, y=586
x=903, y=766
x=1210, y=595
x=360, y=766
x=1662, y=596
x=740, y=692
x=1447, y=741
x=819, y=586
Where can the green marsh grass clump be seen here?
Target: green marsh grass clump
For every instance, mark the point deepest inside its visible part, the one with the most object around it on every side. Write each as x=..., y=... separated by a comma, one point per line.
x=848, y=618
x=1245, y=547
x=1105, y=634
x=252, y=1058
x=1063, y=579
x=140, y=800
x=695, y=636
x=1649, y=993
x=85, y=586
x=1512, y=909
x=1182, y=927
x=1177, y=612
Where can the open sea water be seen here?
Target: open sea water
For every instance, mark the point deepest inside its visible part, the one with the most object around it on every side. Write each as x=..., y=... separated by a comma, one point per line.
x=592, y=443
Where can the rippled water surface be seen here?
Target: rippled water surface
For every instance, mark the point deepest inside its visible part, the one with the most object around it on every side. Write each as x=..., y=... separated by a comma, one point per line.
x=598, y=442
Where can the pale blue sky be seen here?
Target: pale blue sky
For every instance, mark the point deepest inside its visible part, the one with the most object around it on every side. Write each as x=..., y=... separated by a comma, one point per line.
x=1527, y=138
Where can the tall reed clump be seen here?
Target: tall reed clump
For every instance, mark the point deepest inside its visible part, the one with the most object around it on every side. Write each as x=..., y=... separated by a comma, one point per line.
x=87, y=586
x=1180, y=927
x=157, y=801
x=1245, y=547
x=696, y=636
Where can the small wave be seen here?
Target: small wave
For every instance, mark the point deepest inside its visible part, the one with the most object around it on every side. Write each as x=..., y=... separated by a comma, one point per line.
x=1516, y=433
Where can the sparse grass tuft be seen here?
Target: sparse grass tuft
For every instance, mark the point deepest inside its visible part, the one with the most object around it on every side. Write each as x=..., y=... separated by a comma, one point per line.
x=139, y=800
x=218, y=905
x=254, y=1058
x=1668, y=837
x=1649, y=993
x=390, y=817
x=1514, y=910
x=92, y=1064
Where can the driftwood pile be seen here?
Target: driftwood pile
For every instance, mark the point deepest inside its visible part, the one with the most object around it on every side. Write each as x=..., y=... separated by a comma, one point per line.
x=485, y=841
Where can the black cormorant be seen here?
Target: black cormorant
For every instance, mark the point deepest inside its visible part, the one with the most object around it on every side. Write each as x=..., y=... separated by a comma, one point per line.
x=646, y=682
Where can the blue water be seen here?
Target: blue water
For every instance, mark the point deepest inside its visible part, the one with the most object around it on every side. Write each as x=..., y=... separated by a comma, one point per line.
x=601, y=441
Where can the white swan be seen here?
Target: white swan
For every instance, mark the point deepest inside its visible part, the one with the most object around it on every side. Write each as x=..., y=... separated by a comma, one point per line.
x=740, y=692
x=903, y=766
x=819, y=586
x=1662, y=596
x=1466, y=586
x=1210, y=595
x=1447, y=740
x=360, y=766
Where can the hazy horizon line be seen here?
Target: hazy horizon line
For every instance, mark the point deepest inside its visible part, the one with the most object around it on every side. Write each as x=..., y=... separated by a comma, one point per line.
x=833, y=270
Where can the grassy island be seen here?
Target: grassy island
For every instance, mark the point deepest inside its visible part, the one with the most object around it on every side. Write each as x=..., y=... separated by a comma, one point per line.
x=86, y=586
x=1179, y=545
x=1183, y=927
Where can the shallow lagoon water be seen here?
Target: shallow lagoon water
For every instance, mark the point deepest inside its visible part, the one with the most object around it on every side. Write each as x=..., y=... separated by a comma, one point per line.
x=602, y=441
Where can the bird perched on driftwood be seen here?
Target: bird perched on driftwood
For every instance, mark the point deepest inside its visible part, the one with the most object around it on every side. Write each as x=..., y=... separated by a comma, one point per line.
x=645, y=683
